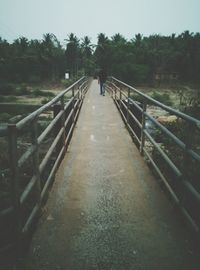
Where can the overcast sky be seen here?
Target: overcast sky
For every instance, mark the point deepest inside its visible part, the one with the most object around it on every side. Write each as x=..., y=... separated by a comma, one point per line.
x=33, y=18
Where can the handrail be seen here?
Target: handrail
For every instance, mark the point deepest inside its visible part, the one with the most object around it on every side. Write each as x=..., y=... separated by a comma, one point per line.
x=135, y=116
x=161, y=105
x=33, y=115
x=59, y=130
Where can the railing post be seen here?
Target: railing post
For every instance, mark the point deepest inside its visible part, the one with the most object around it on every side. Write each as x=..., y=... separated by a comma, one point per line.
x=63, y=120
x=120, y=98
x=35, y=158
x=188, y=145
x=128, y=106
x=82, y=93
x=73, y=104
x=58, y=126
x=15, y=191
x=144, y=108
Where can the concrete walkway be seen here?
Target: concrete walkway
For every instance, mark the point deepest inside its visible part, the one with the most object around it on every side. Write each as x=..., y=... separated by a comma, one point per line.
x=106, y=210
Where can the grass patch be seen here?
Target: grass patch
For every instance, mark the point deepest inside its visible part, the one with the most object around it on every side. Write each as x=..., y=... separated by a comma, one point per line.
x=40, y=93
x=8, y=99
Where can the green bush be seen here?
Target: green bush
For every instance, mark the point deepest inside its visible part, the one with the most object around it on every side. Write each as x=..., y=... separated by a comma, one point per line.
x=137, y=98
x=40, y=93
x=21, y=90
x=4, y=117
x=67, y=83
x=163, y=98
x=44, y=101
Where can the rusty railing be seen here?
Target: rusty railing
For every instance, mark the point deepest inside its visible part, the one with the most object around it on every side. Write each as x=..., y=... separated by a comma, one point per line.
x=36, y=146
x=173, y=151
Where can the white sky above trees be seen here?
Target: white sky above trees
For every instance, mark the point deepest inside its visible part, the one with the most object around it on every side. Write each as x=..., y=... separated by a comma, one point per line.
x=33, y=18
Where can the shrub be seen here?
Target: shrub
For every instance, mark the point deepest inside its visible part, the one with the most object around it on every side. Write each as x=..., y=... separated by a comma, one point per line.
x=67, y=83
x=137, y=98
x=21, y=90
x=163, y=98
x=44, y=101
x=41, y=93
x=4, y=117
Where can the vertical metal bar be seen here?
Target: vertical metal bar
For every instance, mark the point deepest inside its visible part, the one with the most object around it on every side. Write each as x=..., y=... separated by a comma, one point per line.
x=56, y=110
x=72, y=91
x=79, y=93
x=35, y=158
x=120, y=98
x=128, y=106
x=144, y=108
x=63, y=120
x=189, y=135
x=15, y=190
x=73, y=103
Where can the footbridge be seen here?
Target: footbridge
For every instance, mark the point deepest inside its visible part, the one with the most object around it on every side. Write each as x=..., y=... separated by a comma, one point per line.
x=101, y=182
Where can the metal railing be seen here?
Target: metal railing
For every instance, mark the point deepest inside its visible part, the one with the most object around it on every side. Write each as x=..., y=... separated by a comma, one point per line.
x=43, y=153
x=173, y=154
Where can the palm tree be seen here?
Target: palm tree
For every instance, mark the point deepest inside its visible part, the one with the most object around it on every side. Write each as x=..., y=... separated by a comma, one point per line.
x=86, y=55
x=118, y=39
x=72, y=54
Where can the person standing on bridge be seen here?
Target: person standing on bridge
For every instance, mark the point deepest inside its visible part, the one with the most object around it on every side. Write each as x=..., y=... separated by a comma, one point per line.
x=102, y=80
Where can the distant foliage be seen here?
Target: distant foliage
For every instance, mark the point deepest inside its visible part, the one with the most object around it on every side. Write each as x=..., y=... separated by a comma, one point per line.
x=135, y=61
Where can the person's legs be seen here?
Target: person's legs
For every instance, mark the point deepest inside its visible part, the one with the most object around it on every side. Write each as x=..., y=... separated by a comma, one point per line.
x=101, y=88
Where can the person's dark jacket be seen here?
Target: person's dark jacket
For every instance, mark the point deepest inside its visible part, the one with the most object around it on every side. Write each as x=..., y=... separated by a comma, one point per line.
x=102, y=76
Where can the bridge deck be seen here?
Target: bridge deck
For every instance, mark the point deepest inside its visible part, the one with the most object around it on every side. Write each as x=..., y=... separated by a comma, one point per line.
x=105, y=210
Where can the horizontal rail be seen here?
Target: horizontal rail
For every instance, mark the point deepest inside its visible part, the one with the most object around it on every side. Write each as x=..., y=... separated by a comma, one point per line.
x=162, y=176
x=26, y=156
x=30, y=219
x=52, y=173
x=135, y=119
x=50, y=127
x=35, y=114
x=62, y=125
x=50, y=151
x=135, y=116
x=134, y=134
x=161, y=105
x=174, y=138
x=28, y=189
x=165, y=157
x=6, y=212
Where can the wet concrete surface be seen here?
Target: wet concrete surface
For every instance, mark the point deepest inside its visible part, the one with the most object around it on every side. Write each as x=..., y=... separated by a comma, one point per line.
x=105, y=210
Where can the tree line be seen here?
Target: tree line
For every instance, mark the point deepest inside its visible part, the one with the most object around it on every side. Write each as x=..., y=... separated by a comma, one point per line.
x=134, y=61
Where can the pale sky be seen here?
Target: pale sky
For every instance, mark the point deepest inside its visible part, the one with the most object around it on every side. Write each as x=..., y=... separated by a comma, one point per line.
x=33, y=18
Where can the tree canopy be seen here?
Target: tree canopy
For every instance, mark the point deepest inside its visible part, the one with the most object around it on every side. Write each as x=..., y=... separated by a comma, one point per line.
x=134, y=61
